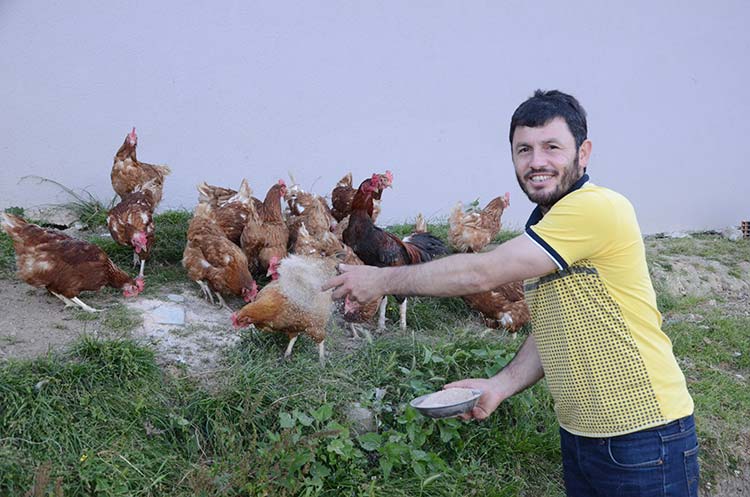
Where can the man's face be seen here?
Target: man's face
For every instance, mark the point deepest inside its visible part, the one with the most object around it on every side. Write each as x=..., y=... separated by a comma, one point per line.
x=547, y=161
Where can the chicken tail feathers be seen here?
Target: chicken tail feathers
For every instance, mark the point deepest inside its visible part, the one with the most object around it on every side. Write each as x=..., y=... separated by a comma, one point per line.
x=163, y=169
x=423, y=247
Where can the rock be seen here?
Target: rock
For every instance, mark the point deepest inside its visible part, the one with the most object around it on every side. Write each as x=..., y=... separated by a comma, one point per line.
x=176, y=298
x=169, y=314
x=677, y=234
x=362, y=419
x=732, y=233
x=57, y=215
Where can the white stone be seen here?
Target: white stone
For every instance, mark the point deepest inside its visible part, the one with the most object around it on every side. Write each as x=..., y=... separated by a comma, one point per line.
x=169, y=314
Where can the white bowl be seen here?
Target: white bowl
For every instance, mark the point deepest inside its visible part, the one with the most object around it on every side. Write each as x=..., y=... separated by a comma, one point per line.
x=450, y=408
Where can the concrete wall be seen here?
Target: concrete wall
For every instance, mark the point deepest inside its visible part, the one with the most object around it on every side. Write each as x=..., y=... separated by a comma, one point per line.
x=230, y=89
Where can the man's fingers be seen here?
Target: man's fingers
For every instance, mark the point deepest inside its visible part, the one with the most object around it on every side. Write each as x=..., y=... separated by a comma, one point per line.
x=332, y=283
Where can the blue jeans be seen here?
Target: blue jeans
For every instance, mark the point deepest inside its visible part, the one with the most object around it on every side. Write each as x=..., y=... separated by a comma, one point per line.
x=660, y=461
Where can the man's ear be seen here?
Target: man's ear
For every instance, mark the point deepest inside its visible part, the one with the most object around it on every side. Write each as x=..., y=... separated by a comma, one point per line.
x=584, y=154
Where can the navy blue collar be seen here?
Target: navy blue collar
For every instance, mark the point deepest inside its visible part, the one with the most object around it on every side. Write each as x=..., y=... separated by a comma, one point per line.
x=536, y=214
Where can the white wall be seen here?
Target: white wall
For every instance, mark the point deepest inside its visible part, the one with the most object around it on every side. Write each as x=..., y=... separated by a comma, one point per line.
x=230, y=89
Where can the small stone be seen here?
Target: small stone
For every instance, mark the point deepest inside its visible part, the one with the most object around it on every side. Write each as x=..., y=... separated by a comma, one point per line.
x=361, y=419
x=176, y=298
x=169, y=314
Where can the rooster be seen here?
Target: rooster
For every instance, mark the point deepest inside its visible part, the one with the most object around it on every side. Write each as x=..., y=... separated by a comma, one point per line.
x=63, y=265
x=346, y=196
x=377, y=247
x=293, y=303
x=265, y=234
x=229, y=208
x=131, y=222
x=343, y=194
x=128, y=173
x=472, y=230
x=214, y=262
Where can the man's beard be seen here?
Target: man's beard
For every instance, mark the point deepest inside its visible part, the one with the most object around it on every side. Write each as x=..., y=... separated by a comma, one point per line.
x=547, y=200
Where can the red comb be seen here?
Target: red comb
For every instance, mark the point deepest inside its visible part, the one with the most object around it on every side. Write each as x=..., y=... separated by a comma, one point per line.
x=281, y=182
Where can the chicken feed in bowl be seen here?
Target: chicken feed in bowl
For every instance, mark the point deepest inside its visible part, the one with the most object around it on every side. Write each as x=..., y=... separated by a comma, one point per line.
x=447, y=403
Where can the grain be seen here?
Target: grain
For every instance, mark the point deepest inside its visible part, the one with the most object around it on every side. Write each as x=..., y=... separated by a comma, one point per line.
x=448, y=397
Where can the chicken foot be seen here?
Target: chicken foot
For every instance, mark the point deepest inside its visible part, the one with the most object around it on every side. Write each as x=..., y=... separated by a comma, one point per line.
x=356, y=328
x=222, y=303
x=143, y=265
x=206, y=291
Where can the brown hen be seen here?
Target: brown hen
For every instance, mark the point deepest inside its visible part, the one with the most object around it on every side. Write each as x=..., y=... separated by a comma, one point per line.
x=128, y=172
x=63, y=265
x=229, y=210
x=265, y=234
x=213, y=261
x=293, y=304
x=472, y=230
x=131, y=222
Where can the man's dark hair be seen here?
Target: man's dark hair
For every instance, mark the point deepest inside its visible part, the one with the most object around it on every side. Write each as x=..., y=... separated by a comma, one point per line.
x=544, y=106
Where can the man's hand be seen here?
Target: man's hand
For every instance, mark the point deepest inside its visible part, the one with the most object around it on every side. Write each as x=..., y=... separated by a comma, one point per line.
x=487, y=403
x=361, y=283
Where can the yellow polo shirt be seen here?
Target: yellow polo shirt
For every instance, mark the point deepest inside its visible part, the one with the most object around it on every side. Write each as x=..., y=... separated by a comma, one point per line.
x=609, y=366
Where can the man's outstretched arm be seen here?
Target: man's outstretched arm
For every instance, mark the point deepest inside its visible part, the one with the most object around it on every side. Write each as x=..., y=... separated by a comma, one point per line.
x=455, y=275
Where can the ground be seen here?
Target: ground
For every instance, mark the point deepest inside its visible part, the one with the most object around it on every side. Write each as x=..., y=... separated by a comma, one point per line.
x=190, y=335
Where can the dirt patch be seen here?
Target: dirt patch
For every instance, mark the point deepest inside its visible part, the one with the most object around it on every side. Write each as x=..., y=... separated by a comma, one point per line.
x=185, y=330
x=33, y=323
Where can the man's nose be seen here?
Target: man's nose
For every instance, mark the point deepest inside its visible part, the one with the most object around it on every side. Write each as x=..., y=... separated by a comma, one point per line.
x=538, y=159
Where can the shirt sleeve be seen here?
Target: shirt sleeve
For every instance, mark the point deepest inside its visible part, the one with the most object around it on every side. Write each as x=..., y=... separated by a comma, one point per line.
x=579, y=226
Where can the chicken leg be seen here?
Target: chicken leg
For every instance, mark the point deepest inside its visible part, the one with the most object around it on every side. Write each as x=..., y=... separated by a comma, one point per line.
x=402, y=314
x=289, y=346
x=75, y=302
x=381, y=312
x=322, y=353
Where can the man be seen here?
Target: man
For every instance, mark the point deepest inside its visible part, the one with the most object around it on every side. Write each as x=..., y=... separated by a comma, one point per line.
x=620, y=398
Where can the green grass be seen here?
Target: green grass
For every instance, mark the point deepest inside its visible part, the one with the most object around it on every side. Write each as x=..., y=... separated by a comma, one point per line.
x=109, y=423
x=714, y=356
x=712, y=247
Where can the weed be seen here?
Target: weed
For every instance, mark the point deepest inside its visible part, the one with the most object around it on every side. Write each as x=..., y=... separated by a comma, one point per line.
x=89, y=210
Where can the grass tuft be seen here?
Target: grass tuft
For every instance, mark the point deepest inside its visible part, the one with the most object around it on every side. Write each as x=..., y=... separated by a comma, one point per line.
x=90, y=211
